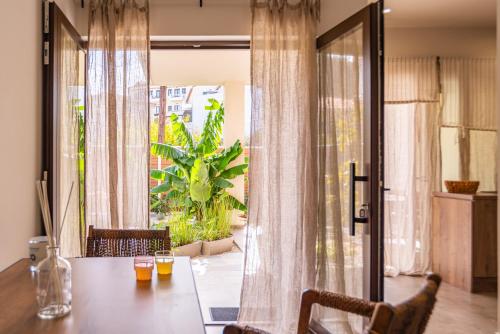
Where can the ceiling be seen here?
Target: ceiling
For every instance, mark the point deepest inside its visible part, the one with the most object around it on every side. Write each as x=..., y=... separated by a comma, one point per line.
x=199, y=67
x=441, y=13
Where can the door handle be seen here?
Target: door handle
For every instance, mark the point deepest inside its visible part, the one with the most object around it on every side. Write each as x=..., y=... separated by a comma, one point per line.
x=363, y=217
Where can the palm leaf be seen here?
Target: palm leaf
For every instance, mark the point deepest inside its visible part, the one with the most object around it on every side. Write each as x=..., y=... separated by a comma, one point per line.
x=157, y=174
x=167, y=151
x=170, y=152
x=234, y=203
x=212, y=129
x=162, y=188
x=233, y=172
x=221, y=160
x=182, y=133
x=222, y=183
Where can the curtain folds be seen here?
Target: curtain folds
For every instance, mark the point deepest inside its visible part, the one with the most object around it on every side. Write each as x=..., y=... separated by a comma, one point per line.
x=469, y=90
x=469, y=119
x=117, y=116
x=340, y=256
x=68, y=140
x=280, y=250
x=412, y=162
x=411, y=80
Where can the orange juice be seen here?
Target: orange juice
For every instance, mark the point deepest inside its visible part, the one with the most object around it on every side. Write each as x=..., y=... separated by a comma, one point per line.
x=143, y=266
x=164, y=265
x=143, y=271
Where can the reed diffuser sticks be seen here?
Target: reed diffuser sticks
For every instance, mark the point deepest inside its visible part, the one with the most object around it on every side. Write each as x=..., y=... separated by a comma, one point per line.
x=43, y=198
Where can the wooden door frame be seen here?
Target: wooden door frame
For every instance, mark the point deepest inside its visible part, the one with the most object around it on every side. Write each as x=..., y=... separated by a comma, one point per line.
x=371, y=18
x=53, y=19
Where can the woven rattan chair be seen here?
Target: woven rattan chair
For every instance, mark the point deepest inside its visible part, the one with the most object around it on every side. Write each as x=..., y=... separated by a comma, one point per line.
x=409, y=317
x=103, y=242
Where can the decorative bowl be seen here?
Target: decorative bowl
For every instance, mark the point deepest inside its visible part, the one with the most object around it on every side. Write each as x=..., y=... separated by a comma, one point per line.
x=461, y=187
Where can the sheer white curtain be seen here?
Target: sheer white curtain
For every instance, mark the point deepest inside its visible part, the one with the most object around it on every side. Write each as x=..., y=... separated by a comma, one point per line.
x=412, y=161
x=67, y=143
x=340, y=256
x=280, y=253
x=469, y=119
x=117, y=118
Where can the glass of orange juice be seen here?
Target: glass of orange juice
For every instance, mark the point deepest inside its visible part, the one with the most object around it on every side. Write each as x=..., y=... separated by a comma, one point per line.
x=143, y=266
x=164, y=262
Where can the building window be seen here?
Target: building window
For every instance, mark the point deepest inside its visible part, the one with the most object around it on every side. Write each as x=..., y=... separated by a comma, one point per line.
x=177, y=92
x=183, y=90
x=177, y=107
x=170, y=92
x=157, y=93
x=157, y=110
x=169, y=108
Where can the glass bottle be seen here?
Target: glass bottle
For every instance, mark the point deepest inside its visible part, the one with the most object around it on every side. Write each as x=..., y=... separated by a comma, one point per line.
x=53, y=291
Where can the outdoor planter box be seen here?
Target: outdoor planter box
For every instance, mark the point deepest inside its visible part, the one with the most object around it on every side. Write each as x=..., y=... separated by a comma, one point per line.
x=191, y=250
x=217, y=246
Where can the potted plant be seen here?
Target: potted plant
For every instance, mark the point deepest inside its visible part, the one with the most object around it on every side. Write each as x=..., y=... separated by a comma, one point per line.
x=184, y=235
x=215, y=230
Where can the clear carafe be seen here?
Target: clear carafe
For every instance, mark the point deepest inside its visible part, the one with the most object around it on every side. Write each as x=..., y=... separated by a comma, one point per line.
x=53, y=290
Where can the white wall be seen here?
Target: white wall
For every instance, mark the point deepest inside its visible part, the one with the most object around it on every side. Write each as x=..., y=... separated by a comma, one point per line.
x=20, y=125
x=335, y=11
x=440, y=42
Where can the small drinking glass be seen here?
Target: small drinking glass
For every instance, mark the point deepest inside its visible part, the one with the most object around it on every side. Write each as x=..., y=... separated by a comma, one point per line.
x=143, y=266
x=164, y=262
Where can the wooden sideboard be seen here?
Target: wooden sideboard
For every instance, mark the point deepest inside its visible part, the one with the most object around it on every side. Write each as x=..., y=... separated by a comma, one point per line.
x=464, y=240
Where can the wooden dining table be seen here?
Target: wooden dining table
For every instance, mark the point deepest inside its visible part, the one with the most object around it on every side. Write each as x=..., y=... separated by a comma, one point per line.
x=106, y=299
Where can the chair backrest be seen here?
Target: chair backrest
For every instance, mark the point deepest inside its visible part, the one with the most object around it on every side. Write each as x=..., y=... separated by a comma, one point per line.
x=115, y=243
x=412, y=315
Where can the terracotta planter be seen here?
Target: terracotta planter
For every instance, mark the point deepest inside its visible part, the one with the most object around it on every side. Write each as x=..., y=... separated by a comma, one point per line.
x=217, y=246
x=191, y=250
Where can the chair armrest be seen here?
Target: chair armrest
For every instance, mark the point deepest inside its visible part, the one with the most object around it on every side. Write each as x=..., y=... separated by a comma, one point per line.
x=332, y=300
x=344, y=303
x=239, y=329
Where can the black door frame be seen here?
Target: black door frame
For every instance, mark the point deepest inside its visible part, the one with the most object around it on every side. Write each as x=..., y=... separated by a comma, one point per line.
x=53, y=20
x=371, y=18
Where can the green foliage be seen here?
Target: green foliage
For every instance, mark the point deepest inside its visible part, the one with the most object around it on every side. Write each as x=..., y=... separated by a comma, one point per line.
x=158, y=204
x=199, y=175
x=168, y=135
x=217, y=221
x=200, y=188
x=182, y=230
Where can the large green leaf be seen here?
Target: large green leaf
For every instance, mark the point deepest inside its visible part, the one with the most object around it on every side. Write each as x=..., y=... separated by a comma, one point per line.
x=234, y=203
x=157, y=174
x=178, y=156
x=222, y=183
x=162, y=188
x=221, y=160
x=212, y=129
x=200, y=188
x=167, y=151
x=169, y=175
x=182, y=133
x=233, y=172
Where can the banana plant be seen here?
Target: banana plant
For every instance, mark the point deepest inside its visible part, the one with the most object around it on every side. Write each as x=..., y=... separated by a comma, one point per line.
x=199, y=175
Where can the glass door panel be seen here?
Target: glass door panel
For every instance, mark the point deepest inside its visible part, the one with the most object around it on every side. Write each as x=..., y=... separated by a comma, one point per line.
x=350, y=152
x=64, y=97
